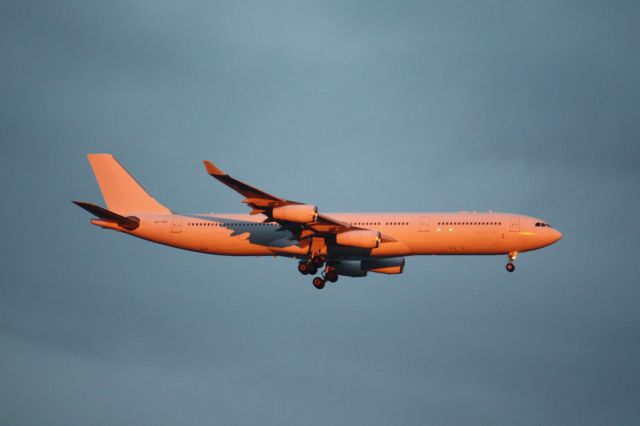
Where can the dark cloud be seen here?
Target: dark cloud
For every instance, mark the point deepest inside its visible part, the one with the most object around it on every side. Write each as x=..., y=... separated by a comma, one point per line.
x=524, y=107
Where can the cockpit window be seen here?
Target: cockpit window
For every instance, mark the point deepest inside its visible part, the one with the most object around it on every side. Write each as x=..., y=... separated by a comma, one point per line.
x=542, y=224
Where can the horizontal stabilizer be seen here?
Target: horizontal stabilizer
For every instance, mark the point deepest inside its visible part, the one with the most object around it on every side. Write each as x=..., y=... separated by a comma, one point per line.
x=129, y=223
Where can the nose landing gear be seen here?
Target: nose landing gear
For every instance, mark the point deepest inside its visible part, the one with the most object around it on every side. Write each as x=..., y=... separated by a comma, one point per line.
x=513, y=255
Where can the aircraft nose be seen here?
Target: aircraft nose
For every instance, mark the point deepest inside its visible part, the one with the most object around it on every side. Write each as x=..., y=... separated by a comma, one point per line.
x=557, y=235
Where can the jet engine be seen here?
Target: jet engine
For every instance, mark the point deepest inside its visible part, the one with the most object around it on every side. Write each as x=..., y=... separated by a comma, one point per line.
x=350, y=268
x=392, y=265
x=360, y=239
x=299, y=213
x=357, y=268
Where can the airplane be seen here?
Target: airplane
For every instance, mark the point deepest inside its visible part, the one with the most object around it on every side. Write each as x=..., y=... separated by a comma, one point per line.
x=345, y=244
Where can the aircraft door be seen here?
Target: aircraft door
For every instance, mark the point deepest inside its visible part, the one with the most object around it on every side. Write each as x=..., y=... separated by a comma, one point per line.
x=515, y=224
x=176, y=223
x=424, y=224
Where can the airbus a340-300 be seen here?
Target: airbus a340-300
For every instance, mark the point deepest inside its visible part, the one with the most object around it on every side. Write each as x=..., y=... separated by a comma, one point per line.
x=348, y=244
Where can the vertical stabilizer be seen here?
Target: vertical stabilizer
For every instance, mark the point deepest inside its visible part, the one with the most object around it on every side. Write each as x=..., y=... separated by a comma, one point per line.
x=121, y=192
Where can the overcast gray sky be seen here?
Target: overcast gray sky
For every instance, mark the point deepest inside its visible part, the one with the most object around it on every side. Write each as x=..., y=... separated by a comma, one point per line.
x=527, y=107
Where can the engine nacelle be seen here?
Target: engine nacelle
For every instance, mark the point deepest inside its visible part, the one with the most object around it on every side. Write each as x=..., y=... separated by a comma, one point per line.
x=357, y=268
x=299, y=213
x=360, y=239
x=393, y=265
x=350, y=268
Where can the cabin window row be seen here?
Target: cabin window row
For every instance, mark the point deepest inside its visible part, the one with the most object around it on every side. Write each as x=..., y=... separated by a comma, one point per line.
x=379, y=223
x=355, y=223
x=469, y=223
x=229, y=224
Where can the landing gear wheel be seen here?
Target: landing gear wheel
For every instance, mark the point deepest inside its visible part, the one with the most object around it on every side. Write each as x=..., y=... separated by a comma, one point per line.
x=304, y=268
x=318, y=283
x=313, y=269
x=511, y=267
x=331, y=276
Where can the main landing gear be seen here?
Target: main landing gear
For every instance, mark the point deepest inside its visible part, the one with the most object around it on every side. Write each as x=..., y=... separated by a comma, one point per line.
x=328, y=275
x=307, y=268
x=311, y=266
x=513, y=255
x=331, y=275
x=318, y=283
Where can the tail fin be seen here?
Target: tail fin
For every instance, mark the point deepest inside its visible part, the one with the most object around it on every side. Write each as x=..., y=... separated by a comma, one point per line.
x=120, y=191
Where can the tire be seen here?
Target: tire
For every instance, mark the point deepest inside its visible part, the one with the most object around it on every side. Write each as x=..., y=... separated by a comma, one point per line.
x=303, y=267
x=318, y=283
x=331, y=276
x=313, y=269
x=511, y=267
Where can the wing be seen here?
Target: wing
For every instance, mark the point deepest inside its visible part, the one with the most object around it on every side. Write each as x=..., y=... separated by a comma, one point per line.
x=254, y=197
x=299, y=221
